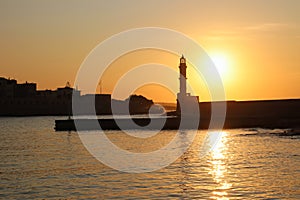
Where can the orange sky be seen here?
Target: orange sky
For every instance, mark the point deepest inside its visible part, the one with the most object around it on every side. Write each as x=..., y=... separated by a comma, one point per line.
x=256, y=42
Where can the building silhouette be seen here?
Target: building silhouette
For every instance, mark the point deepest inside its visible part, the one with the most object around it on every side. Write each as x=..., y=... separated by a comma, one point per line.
x=23, y=99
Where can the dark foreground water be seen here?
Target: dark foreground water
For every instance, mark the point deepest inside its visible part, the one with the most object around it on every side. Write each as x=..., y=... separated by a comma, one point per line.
x=37, y=162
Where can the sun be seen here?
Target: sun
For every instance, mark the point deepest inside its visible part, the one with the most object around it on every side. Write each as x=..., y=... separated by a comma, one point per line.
x=221, y=62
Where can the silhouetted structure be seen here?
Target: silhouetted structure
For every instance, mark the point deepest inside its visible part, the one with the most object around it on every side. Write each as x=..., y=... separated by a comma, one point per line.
x=9, y=89
x=25, y=100
x=185, y=102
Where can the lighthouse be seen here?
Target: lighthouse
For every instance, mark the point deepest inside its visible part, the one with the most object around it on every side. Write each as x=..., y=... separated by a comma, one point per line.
x=185, y=102
x=182, y=76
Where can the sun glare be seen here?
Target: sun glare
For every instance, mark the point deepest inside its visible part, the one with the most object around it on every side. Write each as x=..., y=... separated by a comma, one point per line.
x=221, y=63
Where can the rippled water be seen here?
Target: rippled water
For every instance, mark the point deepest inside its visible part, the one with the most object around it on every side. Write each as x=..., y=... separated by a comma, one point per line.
x=37, y=162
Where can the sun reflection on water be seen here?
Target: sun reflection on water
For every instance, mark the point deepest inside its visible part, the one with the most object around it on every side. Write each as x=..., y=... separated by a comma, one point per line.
x=217, y=161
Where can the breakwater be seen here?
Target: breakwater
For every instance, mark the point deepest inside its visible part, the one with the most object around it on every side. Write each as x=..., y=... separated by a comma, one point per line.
x=246, y=114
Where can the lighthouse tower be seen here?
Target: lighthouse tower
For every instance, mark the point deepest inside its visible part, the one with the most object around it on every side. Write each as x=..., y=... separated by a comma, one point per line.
x=185, y=102
x=182, y=76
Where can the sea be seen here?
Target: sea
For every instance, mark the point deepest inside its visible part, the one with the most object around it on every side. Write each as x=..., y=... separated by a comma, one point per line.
x=36, y=162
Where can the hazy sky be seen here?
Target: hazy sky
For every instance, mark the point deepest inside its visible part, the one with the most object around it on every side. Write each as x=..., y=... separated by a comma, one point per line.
x=256, y=42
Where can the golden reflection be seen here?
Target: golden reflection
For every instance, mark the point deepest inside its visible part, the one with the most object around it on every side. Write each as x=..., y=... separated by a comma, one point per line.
x=218, y=168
